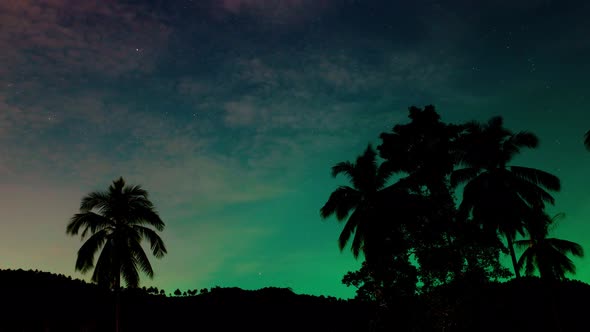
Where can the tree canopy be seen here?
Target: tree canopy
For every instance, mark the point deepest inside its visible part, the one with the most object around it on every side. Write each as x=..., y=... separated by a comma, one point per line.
x=114, y=223
x=417, y=235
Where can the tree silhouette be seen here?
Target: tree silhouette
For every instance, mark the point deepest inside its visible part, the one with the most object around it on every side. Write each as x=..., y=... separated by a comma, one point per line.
x=498, y=195
x=417, y=216
x=423, y=149
x=358, y=204
x=367, y=207
x=116, y=222
x=547, y=255
x=587, y=140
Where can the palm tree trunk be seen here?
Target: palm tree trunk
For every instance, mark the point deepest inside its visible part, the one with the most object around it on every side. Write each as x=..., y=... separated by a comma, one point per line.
x=117, y=297
x=513, y=255
x=548, y=285
x=117, y=311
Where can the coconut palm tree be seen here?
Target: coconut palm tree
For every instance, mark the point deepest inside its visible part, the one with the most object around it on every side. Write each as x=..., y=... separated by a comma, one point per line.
x=367, y=207
x=498, y=195
x=360, y=200
x=549, y=256
x=116, y=221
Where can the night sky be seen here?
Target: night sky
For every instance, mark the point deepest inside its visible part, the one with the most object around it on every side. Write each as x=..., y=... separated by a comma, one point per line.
x=231, y=113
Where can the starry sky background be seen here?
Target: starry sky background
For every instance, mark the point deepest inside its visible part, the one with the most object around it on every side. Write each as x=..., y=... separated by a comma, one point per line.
x=231, y=113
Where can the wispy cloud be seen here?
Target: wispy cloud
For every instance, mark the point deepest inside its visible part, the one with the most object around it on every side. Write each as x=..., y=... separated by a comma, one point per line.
x=279, y=11
x=60, y=36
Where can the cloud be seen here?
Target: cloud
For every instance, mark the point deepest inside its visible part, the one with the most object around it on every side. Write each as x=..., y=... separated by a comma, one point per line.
x=15, y=120
x=56, y=37
x=95, y=141
x=277, y=11
x=242, y=113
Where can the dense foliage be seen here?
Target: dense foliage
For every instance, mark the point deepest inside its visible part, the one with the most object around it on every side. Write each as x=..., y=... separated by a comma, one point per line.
x=417, y=237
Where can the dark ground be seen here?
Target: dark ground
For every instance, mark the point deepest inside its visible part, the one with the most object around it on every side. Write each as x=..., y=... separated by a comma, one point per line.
x=38, y=301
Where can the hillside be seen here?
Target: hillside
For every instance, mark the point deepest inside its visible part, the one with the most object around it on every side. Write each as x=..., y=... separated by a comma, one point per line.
x=39, y=301
x=35, y=301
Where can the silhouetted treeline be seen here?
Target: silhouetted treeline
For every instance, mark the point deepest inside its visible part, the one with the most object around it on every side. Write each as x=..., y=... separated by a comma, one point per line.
x=39, y=301
x=521, y=304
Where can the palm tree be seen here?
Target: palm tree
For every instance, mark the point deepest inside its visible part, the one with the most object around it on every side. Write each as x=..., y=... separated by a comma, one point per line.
x=498, y=195
x=367, y=207
x=116, y=221
x=547, y=255
x=360, y=200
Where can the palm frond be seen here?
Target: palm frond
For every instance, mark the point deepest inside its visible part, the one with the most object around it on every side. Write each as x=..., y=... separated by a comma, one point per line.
x=531, y=262
x=566, y=247
x=537, y=177
x=140, y=258
x=533, y=194
x=463, y=175
x=357, y=242
x=349, y=229
x=555, y=264
x=368, y=157
x=85, y=260
x=341, y=202
x=117, y=186
x=90, y=221
x=129, y=270
x=384, y=173
x=145, y=216
x=345, y=167
x=557, y=217
x=515, y=142
x=471, y=194
x=138, y=201
x=104, y=270
x=524, y=139
x=136, y=190
x=567, y=266
x=95, y=200
x=156, y=244
x=553, y=222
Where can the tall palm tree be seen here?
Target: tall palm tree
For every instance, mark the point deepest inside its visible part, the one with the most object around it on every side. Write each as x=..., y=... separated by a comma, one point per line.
x=496, y=194
x=116, y=221
x=547, y=255
x=360, y=200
